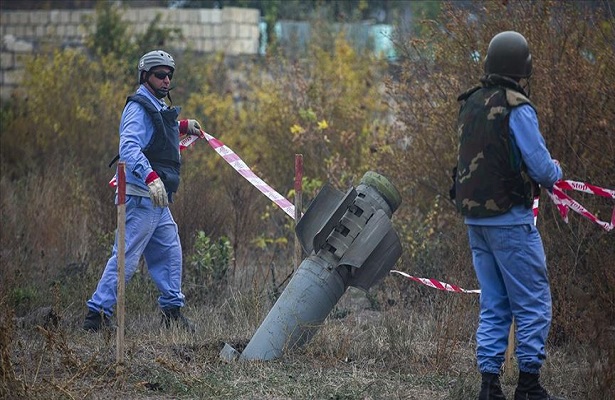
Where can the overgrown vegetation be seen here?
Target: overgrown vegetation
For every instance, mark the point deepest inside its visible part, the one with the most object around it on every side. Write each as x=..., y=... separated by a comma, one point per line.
x=347, y=113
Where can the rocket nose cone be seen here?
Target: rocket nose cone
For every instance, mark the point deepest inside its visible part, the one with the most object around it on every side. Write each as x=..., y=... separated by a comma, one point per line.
x=388, y=191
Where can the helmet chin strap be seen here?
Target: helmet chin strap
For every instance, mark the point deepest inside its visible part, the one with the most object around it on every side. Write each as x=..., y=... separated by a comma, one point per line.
x=159, y=93
x=169, y=94
x=526, y=86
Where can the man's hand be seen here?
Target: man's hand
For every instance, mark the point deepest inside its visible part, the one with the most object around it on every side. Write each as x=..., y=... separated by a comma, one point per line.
x=190, y=127
x=157, y=192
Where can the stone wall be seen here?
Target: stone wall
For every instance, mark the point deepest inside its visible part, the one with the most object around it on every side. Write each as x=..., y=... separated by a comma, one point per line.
x=234, y=31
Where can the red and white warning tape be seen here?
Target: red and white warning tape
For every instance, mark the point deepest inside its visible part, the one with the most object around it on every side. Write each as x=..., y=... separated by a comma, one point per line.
x=436, y=284
x=563, y=203
x=561, y=200
x=237, y=163
x=243, y=170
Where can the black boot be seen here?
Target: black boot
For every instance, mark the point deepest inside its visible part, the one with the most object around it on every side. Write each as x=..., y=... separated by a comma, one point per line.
x=173, y=316
x=529, y=388
x=96, y=320
x=490, y=388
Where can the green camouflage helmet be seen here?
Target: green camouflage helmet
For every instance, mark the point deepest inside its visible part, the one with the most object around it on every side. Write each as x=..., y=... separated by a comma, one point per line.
x=509, y=55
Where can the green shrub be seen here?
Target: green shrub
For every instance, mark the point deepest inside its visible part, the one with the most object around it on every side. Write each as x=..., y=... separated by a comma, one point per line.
x=206, y=271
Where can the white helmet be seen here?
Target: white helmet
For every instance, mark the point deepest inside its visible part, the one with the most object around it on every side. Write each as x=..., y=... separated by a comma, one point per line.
x=154, y=59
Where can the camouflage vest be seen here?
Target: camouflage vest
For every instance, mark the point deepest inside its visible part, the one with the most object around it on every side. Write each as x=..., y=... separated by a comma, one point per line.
x=489, y=181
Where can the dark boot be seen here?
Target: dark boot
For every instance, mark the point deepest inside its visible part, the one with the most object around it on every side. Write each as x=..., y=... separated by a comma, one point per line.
x=173, y=316
x=96, y=320
x=529, y=388
x=490, y=388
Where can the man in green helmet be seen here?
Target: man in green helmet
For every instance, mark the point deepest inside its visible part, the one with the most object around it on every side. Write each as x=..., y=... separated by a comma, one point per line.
x=501, y=163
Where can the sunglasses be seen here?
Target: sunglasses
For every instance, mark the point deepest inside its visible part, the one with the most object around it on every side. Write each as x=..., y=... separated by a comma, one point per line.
x=161, y=75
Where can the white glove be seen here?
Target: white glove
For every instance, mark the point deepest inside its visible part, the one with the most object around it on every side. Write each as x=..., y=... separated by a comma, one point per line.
x=157, y=193
x=190, y=127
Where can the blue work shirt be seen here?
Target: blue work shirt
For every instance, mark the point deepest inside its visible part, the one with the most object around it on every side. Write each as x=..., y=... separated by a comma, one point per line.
x=529, y=146
x=136, y=130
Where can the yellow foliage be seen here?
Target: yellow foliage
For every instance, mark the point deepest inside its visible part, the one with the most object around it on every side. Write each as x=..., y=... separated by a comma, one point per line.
x=325, y=109
x=72, y=110
x=296, y=129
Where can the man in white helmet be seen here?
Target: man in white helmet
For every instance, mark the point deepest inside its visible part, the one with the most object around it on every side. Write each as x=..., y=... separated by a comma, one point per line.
x=149, y=145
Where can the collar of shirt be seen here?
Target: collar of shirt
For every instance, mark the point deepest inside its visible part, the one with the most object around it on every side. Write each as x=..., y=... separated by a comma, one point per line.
x=159, y=103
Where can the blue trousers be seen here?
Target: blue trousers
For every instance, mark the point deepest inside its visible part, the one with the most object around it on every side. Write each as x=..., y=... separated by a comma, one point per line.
x=511, y=269
x=151, y=232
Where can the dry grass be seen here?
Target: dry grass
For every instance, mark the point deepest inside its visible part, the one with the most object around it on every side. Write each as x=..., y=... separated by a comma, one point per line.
x=358, y=353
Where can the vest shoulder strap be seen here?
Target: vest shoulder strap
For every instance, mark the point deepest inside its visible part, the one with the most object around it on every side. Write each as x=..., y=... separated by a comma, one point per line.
x=151, y=111
x=514, y=98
